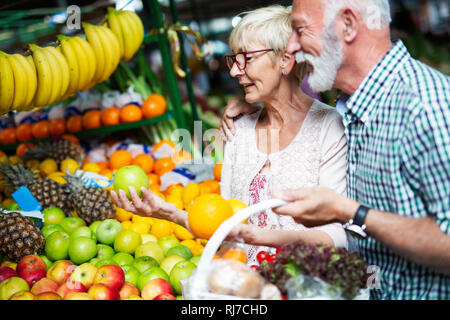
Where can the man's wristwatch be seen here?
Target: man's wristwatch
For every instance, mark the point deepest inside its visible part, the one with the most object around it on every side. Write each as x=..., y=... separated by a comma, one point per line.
x=356, y=225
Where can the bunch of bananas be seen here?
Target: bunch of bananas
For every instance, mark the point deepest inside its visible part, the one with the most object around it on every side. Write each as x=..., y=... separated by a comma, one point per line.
x=53, y=73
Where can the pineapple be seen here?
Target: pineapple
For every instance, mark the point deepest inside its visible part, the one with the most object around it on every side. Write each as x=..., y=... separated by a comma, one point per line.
x=19, y=236
x=58, y=150
x=90, y=203
x=48, y=192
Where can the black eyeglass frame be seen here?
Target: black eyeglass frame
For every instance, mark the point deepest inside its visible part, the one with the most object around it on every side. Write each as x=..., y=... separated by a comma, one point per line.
x=230, y=60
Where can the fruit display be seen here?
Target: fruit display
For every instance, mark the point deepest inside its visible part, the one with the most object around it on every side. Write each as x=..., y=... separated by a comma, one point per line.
x=45, y=75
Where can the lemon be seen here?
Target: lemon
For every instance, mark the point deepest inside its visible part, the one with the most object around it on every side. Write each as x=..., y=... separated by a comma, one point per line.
x=122, y=214
x=139, y=227
x=69, y=164
x=176, y=200
x=47, y=167
x=182, y=233
x=32, y=164
x=91, y=167
x=190, y=192
x=57, y=176
x=126, y=224
x=161, y=228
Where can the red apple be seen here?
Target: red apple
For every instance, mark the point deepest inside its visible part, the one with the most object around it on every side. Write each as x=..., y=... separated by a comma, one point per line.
x=60, y=271
x=155, y=287
x=128, y=289
x=70, y=286
x=48, y=296
x=111, y=275
x=22, y=295
x=165, y=296
x=44, y=285
x=101, y=291
x=30, y=262
x=31, y=276
x=77, y=296
x=84, y=273
x=6, y=273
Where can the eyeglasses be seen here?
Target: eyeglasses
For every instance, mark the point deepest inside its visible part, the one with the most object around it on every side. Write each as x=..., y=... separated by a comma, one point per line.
x=240, y=58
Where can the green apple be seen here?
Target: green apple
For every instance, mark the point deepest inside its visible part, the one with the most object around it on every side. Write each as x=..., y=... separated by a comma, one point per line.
x=146, y=237
x=11, y=286
x=14, y=207
x=144, y=263
x=195, y=259
x=71, y=223
x=47, y=261
x=105, y=262
x=57, y=246
x=152, y=273
x=131, y=274
x=94, y=225
x=50, y=228
x=53, y=215
x=169, y=261
x=150, y=249
x=179, y=297
x=182, y=270
x=82, y=231
x=127, y=241
x=123, y=258
x=130, y=176
x=94, y=261
x=82, y=249
x=181, y=250
x=108, y=230
x=168, y=242
x=104, y=251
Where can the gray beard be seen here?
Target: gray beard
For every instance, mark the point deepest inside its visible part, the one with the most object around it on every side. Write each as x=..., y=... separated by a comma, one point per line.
x=326, y=65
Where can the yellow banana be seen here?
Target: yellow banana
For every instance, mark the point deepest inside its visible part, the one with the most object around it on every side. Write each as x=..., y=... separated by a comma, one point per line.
x=139, y=28
x=20, y=81
x=64, y=66
x=91, y=61
x=82, y=62
x=32, y=83
x=6, y=84
x=56, y=74
x=44, y=76
x=130, y=35
x=94, y=41
x=111, y=46
x=72, y=61
x=114, y=25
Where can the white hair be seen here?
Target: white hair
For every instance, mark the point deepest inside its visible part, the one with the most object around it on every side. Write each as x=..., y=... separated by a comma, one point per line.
x=376, y=14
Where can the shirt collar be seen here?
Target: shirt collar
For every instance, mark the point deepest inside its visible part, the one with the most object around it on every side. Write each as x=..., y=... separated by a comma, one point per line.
x=363, y=102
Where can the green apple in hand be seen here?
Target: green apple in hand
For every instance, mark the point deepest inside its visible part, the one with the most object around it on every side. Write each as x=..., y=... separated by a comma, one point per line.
x=108, y=230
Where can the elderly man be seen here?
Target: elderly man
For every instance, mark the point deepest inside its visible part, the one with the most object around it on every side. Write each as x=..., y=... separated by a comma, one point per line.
x=396, y=113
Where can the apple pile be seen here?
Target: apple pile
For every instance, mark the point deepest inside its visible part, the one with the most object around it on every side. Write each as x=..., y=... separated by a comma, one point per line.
x=100, y=261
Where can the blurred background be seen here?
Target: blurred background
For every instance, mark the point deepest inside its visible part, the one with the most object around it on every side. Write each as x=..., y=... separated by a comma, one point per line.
x=423, y=25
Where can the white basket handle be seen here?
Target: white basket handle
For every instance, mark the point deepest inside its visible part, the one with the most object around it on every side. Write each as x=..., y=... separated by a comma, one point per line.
x=198, y=281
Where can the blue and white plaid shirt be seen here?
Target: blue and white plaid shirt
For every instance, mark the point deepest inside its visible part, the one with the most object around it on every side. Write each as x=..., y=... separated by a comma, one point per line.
x=398, y=129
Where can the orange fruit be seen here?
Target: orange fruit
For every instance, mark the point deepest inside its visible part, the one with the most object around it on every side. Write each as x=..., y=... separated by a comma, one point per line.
x=163, y=165
x=23, y=132
x=217, y=171
x=41, y=129
x=181, y=156
x=155, y=188
x=155, y=105
x=144, y=161
x=119, y=159
x=110, y=116
x=235, y=254
x=207, y=213
x=8, y=136
x=153, y=178
x=92, y=119
x=159, y=144
x=70, y=137
x=57, y=127
x=23, y=148
x=130, y=113
x=75, y=123
x=103, y=165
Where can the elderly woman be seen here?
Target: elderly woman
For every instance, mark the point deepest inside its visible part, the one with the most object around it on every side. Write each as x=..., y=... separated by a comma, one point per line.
x=292, y=141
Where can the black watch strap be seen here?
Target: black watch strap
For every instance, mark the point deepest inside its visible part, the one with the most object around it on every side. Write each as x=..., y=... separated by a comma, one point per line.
x=360, y=215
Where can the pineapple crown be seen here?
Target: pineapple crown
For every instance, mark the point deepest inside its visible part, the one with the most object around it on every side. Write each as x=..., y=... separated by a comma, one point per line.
x=17, y=175
x=39, y=152
x=74, y=182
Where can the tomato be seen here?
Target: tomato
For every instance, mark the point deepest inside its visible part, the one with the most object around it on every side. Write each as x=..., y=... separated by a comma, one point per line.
x=271, y=257
x=262, y=256
x=255, y=267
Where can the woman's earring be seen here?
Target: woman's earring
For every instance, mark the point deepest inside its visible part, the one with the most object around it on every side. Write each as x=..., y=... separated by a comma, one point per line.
x=284, y=72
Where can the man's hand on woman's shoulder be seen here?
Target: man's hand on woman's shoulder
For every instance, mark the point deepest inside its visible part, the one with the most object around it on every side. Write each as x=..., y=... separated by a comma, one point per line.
x=234, y=108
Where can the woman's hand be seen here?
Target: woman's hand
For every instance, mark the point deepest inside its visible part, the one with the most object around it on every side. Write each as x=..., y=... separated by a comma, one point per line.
x=243, y=232
x=150, y=205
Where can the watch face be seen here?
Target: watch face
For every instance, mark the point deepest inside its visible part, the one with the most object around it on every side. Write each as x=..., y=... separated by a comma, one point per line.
x=357, y=231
